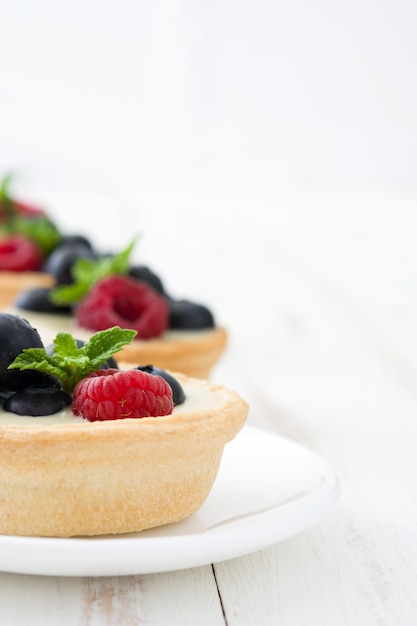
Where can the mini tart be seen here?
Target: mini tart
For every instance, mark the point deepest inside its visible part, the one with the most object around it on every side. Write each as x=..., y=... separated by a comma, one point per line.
x=121, y=476
x=193, y=353
x=12, y=283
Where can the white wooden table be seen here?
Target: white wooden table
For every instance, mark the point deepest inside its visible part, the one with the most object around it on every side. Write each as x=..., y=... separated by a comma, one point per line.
x=321, y=300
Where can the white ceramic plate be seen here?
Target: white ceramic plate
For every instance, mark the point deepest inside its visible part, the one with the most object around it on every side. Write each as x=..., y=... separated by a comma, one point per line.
x=268, y=489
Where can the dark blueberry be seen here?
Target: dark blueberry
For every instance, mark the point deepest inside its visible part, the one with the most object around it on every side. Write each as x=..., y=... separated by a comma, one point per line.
x=3, y=397
x=110, y=363
x=78, y=240
x=178, y=395
x=186, y=315
x=141, y=272
x=60, y=261
x=37, y=299
x=16, y=334
x=38, y=401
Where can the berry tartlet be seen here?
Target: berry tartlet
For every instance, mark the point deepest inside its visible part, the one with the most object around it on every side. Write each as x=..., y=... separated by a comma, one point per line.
x=89, y=446
x=92, y=292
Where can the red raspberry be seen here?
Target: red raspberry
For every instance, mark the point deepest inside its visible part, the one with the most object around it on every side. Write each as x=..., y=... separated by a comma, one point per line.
x=111, y=394
x=125, y=302
x=19, y=254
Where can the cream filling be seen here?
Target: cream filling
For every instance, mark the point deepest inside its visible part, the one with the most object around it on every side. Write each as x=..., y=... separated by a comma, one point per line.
x=196, y=398
x=49, y=325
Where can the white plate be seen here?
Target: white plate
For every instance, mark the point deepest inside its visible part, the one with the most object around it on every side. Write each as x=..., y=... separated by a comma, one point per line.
x=268, y=489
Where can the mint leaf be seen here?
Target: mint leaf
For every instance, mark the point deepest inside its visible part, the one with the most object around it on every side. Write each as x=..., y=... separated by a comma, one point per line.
x=87, y=272
x=70, y=363
x=102, y=345
x=37, y=359
x=39, y=229
x=68, y=294
x=4, y=186
x=5, y=199
x=65, y=345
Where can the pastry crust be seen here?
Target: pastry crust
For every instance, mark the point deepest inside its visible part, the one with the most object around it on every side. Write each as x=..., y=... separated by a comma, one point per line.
x=117, y=476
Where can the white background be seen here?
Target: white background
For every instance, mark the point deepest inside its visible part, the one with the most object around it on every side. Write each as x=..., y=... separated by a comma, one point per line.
x=109, y=96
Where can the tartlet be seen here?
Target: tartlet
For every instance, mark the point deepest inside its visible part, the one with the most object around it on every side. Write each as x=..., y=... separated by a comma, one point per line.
x=120, y=476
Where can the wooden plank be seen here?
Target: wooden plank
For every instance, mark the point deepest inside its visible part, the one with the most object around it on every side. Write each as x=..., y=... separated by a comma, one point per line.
x=182, y=597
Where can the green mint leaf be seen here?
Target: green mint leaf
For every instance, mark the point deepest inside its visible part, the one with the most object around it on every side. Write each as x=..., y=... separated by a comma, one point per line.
x=4, y=186
x=65, y=345
x=5, y=199
x=103, y=344
x=39, y=229
x=68, y=362
x=34, y=358
x=87, y=272
x=68, y=294
x=37, y=359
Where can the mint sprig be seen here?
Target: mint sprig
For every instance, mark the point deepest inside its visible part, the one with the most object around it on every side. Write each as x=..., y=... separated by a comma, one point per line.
x=70, y=363
x=87, y=272
x=39, y=229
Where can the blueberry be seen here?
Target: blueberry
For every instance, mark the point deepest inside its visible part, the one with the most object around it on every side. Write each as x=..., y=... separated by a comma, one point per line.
x=3, y=397
x=178, y=395
x=38, y=401
x=37, y=299
x=141, y=272
x=60, y=261
x=110, y=363
x=186, y=315
x=76, y=239
x=16, y=334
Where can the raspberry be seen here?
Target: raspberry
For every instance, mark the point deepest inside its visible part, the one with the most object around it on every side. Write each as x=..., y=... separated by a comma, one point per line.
x=113, y=394
x=125, y=302
x=19, y=254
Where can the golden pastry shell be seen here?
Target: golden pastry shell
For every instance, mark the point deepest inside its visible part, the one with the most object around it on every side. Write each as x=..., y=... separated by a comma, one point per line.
x=117, y=476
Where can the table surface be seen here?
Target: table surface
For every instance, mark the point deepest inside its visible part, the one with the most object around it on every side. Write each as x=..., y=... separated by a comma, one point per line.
x=318, y=293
